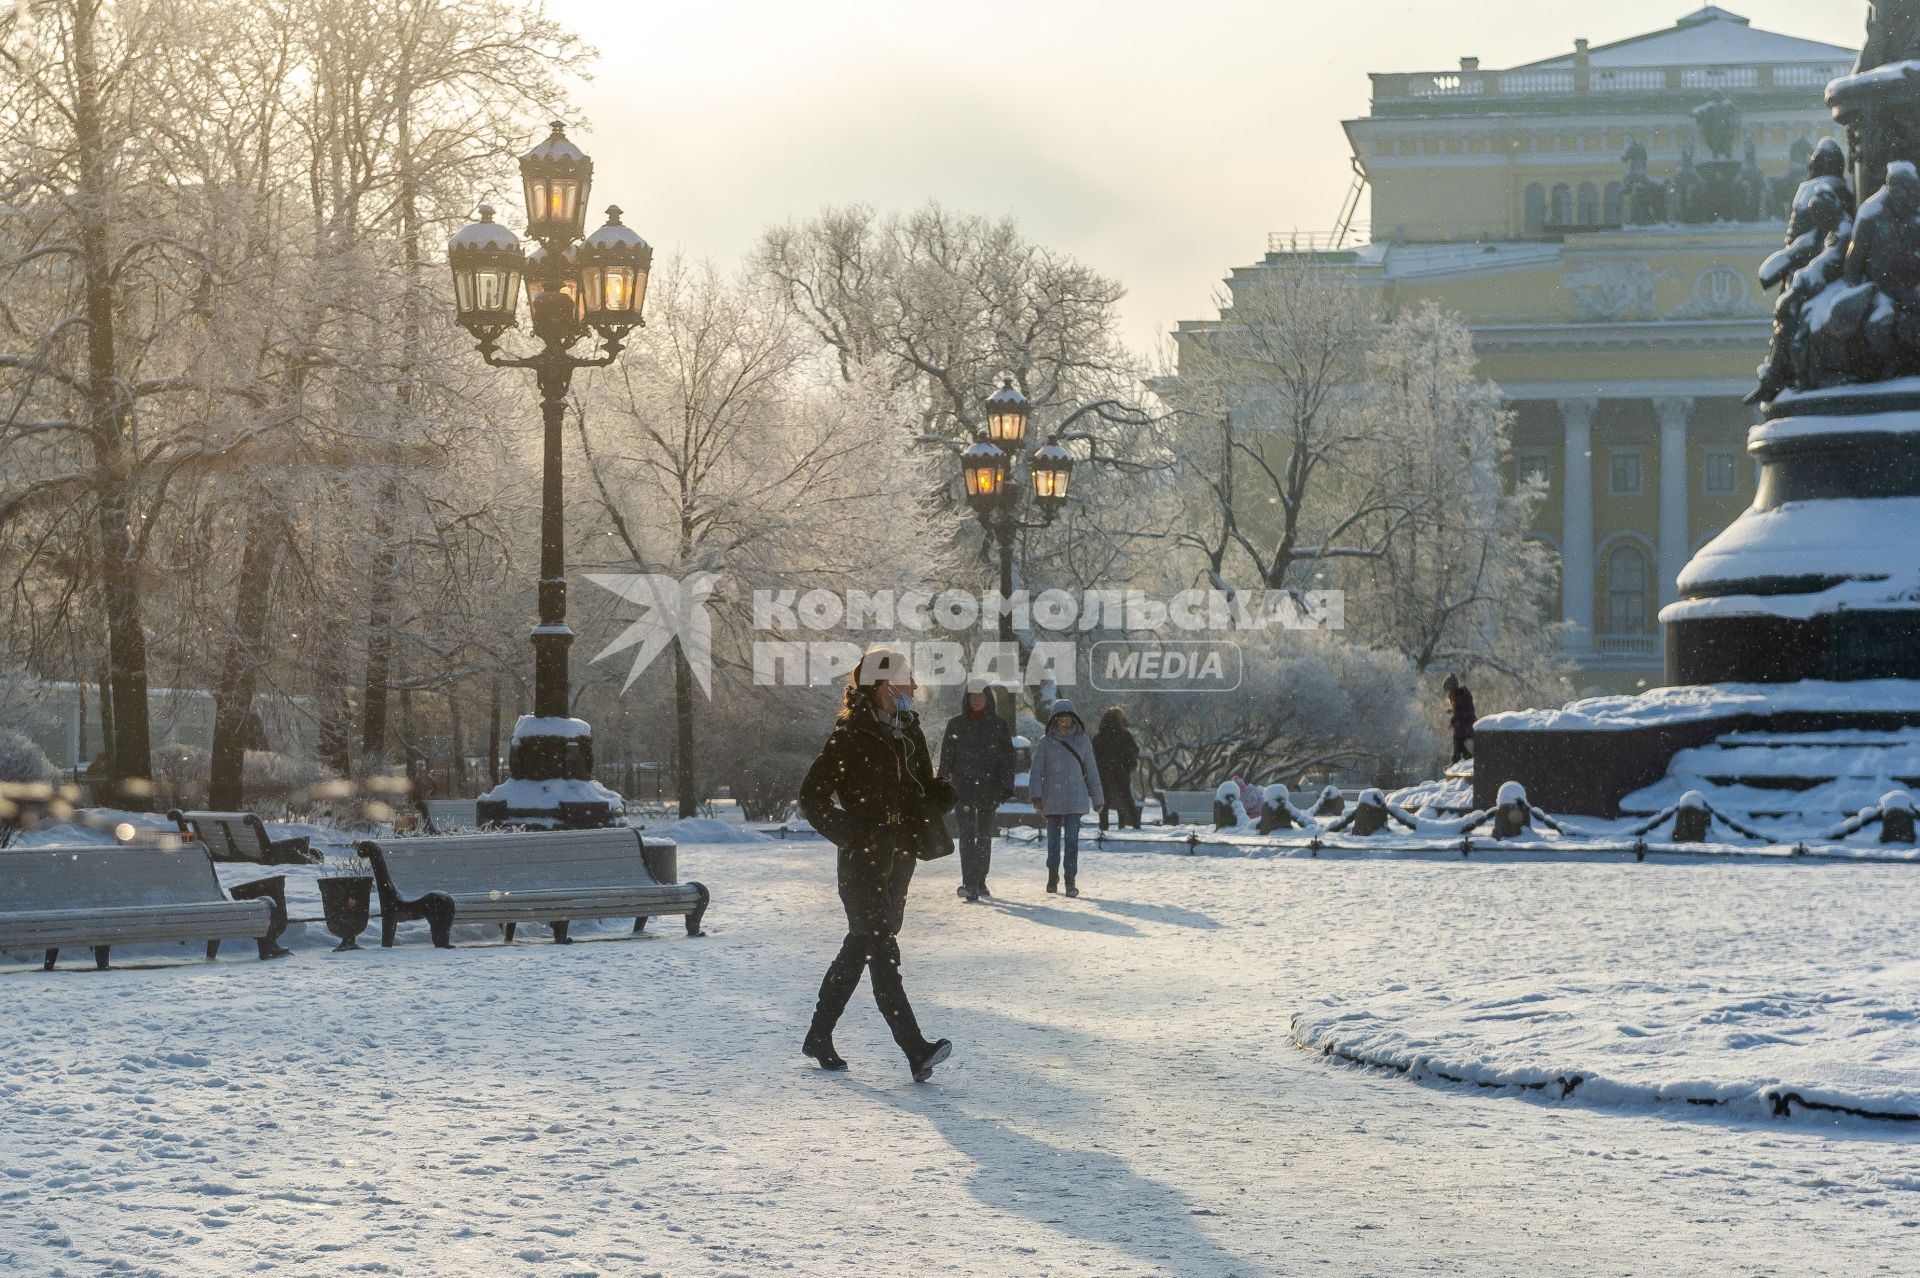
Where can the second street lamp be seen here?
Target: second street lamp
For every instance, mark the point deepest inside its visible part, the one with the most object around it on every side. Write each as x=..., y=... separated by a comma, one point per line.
x=599, y=285
x=994, y=487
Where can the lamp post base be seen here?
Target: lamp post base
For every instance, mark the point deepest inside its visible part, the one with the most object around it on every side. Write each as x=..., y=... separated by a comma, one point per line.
x=552, y=786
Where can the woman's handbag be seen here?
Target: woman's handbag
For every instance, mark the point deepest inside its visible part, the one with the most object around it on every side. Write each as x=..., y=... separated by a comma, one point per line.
x=935, y=841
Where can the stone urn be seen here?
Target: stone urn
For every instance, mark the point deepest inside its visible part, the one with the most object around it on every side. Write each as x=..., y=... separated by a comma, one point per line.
x=347, y=902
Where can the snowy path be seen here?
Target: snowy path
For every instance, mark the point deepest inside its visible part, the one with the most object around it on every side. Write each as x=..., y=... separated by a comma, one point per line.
x=1123, y=1099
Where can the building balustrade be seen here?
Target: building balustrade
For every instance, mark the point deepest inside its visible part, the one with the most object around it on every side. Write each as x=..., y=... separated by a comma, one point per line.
x=1421, y=86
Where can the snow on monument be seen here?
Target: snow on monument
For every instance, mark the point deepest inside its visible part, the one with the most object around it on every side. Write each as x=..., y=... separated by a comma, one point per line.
x=1800, y=623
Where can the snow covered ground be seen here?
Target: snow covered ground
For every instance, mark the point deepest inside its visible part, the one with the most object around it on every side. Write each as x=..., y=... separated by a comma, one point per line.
x=1124, y=1097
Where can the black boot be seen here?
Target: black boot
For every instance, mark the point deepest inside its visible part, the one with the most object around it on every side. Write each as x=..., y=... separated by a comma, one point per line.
x=1053, y=880
x=820, y=1048
x=922, y=1063
x=1071, y=889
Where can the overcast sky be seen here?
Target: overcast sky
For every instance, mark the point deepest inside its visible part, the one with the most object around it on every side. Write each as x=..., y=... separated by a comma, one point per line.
x=1157, y=141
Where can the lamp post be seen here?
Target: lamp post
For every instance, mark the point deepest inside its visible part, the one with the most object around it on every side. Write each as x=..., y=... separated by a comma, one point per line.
x=574, y=285
x=994, y=486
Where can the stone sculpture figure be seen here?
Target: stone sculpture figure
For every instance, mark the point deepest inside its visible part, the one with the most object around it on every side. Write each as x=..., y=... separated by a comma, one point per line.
x=1885, y=252
x=1787, y=185
x=1822, y=212
x=1718, y=123
x=1753, y=183
x=1689, y=190
x=1644, y=195
x=1893, y=34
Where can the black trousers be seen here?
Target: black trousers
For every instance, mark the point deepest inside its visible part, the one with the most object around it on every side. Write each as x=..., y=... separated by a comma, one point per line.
x=1120, y=798
x=1462, y=748
x=974, y=817
x=873, y=890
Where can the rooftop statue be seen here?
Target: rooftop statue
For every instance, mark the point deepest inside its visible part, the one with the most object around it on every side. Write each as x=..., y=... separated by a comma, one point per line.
x=1718, y=122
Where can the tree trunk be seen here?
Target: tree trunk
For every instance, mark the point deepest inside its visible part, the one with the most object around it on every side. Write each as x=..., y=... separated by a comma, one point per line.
x=684, y=780
x=130, y=747
x=493, y=733
x=373, y=704
x=240, y=670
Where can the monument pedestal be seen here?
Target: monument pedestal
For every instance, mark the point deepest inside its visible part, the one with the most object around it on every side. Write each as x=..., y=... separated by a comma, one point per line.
x=550, y=762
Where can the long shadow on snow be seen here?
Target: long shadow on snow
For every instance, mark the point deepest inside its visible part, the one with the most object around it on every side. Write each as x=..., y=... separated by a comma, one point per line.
x=1085, y=1193
x=1069, y=920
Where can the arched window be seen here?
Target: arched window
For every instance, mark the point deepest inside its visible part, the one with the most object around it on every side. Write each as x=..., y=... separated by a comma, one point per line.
x=1589, y=204
x=1561, y=212
x=1613, y=211
x=1626, y=589
x=1536, y=205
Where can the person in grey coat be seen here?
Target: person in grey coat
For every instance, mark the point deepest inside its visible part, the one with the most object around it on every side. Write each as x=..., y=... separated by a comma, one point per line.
x=1063, y=782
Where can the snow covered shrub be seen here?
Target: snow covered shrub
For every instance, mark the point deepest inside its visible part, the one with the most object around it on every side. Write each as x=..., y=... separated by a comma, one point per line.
x=1308, y=702
x=181, y=772
x=25, y=703
x=23, y=762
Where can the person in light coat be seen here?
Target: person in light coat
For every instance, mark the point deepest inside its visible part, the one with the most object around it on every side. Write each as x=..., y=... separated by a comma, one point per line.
x=1063, y=782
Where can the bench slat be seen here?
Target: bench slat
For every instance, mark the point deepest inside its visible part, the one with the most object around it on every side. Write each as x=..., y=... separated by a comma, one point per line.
x=214, y=921
x=33, y=880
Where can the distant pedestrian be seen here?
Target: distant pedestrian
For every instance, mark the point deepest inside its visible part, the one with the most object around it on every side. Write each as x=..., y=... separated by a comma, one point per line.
x=976, y=755
x=873, y=794
x=1460, y=716
x=1117, y=754
x=1064, y=783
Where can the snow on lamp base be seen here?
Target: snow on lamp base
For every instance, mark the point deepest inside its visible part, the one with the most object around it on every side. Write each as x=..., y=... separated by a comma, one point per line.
x=550, y=762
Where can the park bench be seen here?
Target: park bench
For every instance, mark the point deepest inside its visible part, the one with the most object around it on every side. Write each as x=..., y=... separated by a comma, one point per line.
x=450, y=814
x=51, y=898
x=1186, y=807
x=242, y=836
x=530, y=876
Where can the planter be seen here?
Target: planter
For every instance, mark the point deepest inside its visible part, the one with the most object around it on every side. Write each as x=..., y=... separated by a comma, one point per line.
x=347, y=903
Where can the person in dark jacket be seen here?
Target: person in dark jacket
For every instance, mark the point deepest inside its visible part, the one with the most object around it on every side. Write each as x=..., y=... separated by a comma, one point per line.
x=1461, y=716
x=976, y=755
x=872, y=792
x=1118, y=754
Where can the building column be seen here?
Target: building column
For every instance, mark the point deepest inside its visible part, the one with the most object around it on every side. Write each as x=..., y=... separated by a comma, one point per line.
x=1673, y=492
x=1576, y=523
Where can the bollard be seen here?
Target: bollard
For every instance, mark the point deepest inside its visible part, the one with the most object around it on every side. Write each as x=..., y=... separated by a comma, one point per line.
x=1639, y=849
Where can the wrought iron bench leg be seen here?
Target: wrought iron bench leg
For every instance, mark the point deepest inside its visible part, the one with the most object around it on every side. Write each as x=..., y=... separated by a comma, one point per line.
x=100, y=956
x=506, y=933
x=560, y=936
x=700, y=912
x=438, y=907
x=213, y=950
x=639, y=924
x=53, y=956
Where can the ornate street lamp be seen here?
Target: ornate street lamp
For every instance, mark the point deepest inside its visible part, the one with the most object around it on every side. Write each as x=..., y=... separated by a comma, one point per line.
x=487, y=267
x=985, y=470
x=1007, y=413
x=572, y=288
x=555, y=177
x=1052, y=467
x=613, y=266
x=994, y=487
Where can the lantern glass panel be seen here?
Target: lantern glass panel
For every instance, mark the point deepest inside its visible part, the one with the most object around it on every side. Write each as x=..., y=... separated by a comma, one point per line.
x=1007, y=427
x=463, y=291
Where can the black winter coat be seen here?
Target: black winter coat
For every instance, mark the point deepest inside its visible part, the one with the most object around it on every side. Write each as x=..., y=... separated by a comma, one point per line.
x=1117, y=754
x=1463, y=717
x=976, y=755
x=869, y=790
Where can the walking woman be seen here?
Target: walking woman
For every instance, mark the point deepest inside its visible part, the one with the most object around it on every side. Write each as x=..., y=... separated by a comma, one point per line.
x=873, y=793
x=1064, y=784
x=1118, y=754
